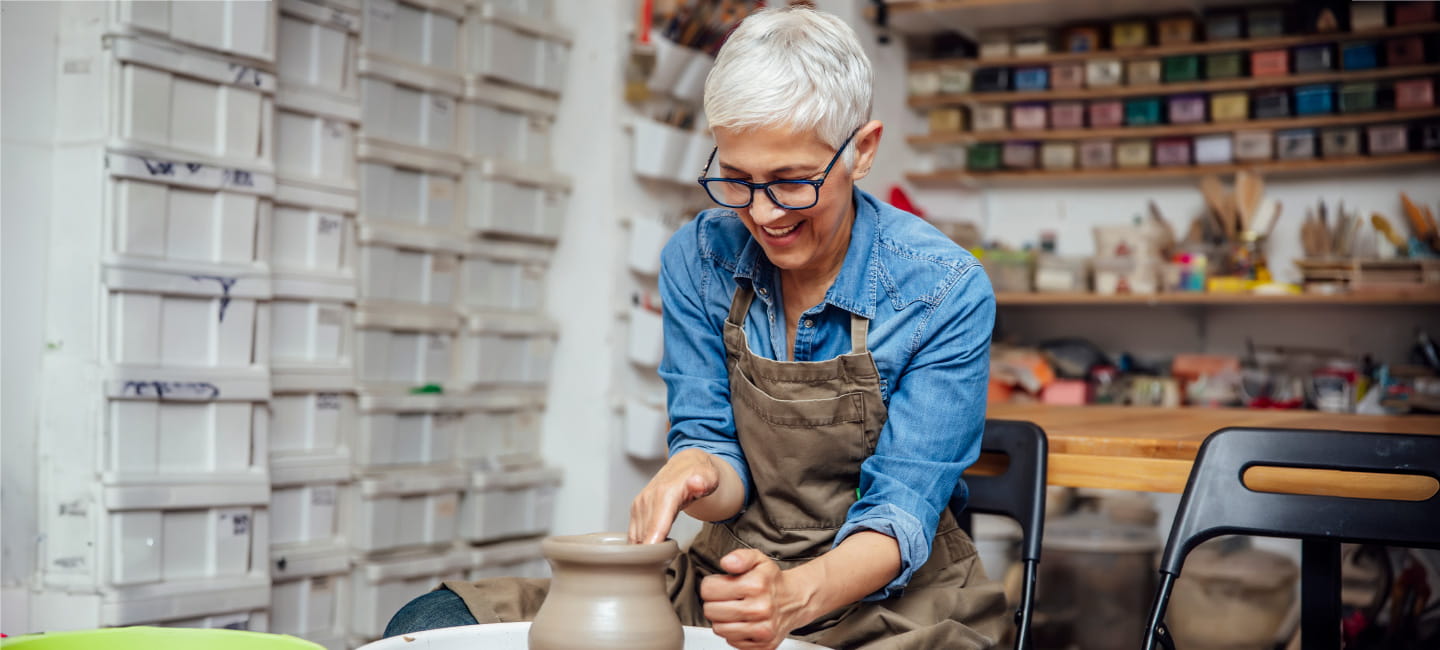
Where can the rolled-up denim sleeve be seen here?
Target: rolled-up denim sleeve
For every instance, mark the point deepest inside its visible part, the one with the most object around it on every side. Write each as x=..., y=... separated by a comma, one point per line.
x=936, y=417
x=693, y=366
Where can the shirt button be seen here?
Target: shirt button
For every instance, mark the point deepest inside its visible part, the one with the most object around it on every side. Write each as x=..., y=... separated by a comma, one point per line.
x=763, y=292
x=809, y=323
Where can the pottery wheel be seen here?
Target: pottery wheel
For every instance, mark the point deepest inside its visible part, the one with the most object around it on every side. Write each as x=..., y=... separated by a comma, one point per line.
x=513, y=636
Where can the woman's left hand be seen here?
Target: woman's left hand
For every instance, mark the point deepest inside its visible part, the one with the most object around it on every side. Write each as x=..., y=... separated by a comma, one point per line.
x=757, y=604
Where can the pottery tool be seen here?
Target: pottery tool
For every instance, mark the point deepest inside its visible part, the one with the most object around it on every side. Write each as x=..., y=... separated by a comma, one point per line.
x=1248, y=190
x=1265, y=217
x=1383, y=225
x=1220, y=204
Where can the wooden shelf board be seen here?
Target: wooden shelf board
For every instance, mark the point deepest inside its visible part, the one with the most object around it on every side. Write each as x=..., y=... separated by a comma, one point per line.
x=1278, y=167
x=1394, y=298
x=1166, y=130
x=1201, y=47
x=1217, y=85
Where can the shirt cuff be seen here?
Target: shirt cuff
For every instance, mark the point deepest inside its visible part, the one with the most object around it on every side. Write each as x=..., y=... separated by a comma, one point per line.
x=906, y=529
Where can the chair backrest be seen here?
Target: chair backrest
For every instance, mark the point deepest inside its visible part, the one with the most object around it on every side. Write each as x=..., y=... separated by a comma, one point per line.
x=1018, y=492
x=1217, y=502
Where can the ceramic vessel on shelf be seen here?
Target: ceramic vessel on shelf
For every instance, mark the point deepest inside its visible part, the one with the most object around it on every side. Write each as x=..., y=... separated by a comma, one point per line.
x=606, y=594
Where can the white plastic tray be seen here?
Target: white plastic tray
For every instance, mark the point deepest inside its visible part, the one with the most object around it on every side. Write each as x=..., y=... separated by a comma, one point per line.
x=515, y=636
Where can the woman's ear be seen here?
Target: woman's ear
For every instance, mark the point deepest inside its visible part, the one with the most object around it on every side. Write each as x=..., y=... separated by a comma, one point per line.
x=867, y=143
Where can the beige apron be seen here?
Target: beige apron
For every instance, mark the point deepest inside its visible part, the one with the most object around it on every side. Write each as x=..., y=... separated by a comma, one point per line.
x=805, y=428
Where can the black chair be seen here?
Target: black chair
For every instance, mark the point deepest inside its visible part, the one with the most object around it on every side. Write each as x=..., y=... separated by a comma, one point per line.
x=1217, y=502
x=1018, y=493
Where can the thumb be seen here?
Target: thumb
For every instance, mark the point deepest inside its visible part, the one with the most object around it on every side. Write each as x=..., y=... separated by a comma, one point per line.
x=742, y=561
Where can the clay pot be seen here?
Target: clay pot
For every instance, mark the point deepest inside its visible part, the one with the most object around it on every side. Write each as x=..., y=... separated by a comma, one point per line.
x=606, y=594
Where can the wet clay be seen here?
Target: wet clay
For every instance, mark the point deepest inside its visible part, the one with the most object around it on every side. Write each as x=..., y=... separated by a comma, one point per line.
x=606, y=594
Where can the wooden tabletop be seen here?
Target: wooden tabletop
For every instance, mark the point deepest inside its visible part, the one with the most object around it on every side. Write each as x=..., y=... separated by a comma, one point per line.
x=1151, y=449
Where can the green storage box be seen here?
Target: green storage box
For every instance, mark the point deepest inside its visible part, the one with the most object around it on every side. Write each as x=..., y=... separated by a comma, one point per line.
x=1358, y=97
x=983, y=156
x=1224, y=65
x=1185, y=67
x=1142, y=111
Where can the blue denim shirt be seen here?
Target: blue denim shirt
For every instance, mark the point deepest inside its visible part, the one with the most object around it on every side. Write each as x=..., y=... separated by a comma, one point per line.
x=931, y=312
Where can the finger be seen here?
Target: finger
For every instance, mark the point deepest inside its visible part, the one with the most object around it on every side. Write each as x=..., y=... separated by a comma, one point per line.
x=742, y=561
x=748, y=635
x=660, y=519
x=737, y=611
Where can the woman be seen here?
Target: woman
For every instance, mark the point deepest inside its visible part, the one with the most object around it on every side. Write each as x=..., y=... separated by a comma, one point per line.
x=826, y=357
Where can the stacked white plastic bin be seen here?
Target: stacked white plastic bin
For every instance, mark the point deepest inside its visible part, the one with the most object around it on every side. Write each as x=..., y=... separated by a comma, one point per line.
x=314, y=257
x=515, y=57
x=404, y=505
x=153, y=448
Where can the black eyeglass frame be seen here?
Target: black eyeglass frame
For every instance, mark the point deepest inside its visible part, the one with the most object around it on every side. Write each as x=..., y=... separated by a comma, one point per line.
x=815, y=183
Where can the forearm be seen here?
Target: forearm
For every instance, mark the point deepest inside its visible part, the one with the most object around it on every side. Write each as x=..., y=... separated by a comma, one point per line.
x=861, y=565
x=727, y=499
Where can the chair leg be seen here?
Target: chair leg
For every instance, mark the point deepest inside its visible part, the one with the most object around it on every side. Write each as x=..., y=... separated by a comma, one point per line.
x=1157, y=613
x=1027, y=607
x=1320, y=594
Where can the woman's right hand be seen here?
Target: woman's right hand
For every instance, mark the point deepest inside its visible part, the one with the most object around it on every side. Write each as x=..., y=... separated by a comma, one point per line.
x=687, y=477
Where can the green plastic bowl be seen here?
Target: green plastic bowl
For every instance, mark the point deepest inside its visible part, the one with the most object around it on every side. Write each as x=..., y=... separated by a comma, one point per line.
x=157, y=638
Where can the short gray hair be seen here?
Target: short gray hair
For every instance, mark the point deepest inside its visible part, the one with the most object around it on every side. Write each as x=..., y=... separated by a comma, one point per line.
x=792, y=67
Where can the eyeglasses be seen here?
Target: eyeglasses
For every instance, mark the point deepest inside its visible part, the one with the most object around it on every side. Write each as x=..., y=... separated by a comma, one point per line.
x=788, y=194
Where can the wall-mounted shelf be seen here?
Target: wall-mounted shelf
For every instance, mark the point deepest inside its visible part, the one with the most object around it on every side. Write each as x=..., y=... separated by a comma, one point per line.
x=1273, y=167
x=1215, y=85
x=1167, y=130
x=929, y=16
x=1198, y=47
x=1395, y=298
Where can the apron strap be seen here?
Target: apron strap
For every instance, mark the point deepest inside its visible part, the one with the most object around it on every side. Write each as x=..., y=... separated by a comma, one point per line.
x=859, y=328
x=740, y=305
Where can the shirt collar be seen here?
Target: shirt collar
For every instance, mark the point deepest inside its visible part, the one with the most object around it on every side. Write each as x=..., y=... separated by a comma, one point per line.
x=854, y=288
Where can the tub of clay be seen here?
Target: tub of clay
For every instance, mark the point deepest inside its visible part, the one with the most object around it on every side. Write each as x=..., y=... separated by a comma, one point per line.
x=514, y=636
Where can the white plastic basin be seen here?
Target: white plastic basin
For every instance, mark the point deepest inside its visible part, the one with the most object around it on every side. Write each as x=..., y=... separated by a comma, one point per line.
x=513, y=636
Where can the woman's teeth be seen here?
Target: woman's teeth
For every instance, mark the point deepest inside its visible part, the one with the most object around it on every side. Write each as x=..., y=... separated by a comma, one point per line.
x=780, y=232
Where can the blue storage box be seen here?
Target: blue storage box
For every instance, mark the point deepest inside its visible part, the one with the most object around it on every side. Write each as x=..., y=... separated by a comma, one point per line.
x=1359, y=55
x=1315, y=99
x=1037, y=78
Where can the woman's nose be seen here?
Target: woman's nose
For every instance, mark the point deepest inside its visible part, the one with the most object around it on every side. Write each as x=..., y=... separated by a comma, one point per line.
x=763, y=210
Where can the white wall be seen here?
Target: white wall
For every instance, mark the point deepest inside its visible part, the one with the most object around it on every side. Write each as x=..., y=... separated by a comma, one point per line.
x=28, y=33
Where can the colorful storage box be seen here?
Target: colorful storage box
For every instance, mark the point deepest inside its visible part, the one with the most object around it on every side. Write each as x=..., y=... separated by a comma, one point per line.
x=1186, y=109
x=1057, y=155
x=1097, y=154
x=1224, y=65
x=1142, y=72
x=1106, y=113
x=1269, y=63
x=1254, y=145
x=1270, y=103
x=983, y=156
x=1414, y=13
x=1359, y=55
x=923, y=83
x=985, y=80
x=1028, y=117
x=1142, y=111
x=1365, y=16
x=1340, y=142
x=1358, y=97
x=1264, y=23
x=995, y=44
x=1316, y=99
x=1214, y=149
x=947, y=120
x=1387, y=139
x=1430, y=136
x=1295, y=144
x=1101, y=73
x=1129, y=34
x=1032, y=41
x=1067, y=115
x=1314, y=58
x=1223, y=26
x=1067, y=76
x=1020, y=155
x=1080, y=39
x=1175, y=30
x=1180, y=68
x=1172, y=152
x=1414, y=93
x=1132, y=153
x=988, y=117
x=954, y=80
x=1405, y=50
x=1036, y=78
x=1230, y=107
